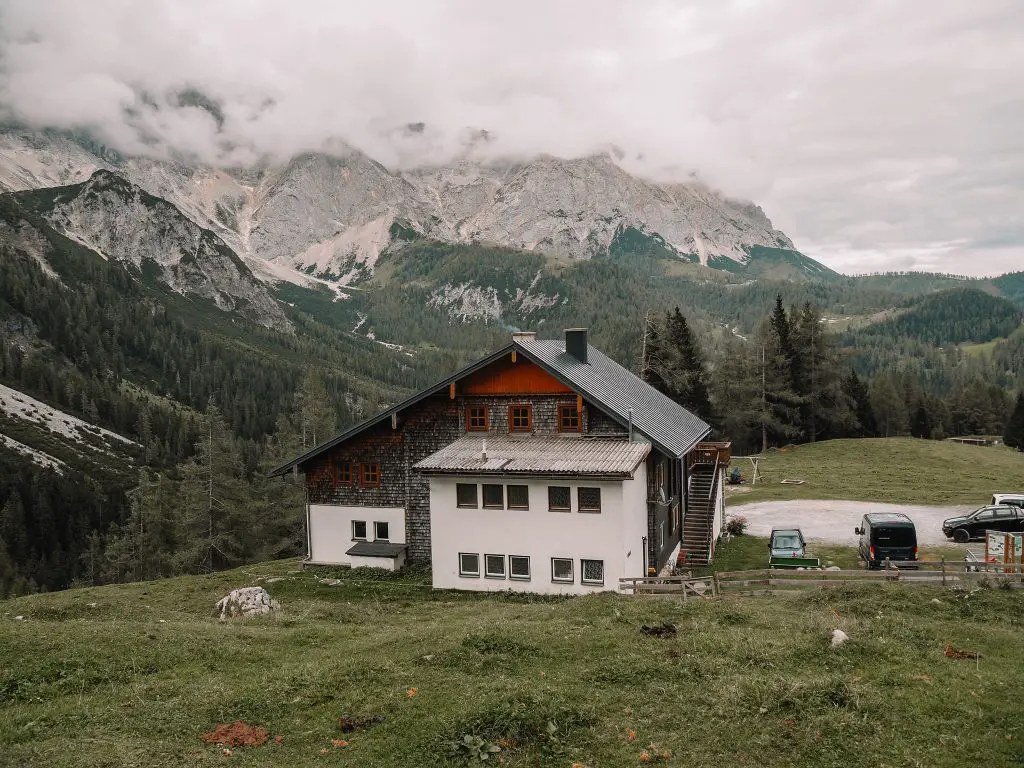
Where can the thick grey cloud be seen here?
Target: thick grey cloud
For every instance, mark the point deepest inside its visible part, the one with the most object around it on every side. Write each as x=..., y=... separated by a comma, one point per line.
x=877, y=134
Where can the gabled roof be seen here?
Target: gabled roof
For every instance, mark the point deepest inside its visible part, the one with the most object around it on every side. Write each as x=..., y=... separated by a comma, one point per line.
x=620, y=394
x=476, y=453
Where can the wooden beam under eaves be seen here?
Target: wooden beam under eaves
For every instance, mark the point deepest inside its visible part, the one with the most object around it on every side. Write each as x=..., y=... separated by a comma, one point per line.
x=394, y=420
x=451, y=391
x=513, y=357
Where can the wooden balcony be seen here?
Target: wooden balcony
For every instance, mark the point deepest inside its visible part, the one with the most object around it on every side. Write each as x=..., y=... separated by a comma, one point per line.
x=710, y=453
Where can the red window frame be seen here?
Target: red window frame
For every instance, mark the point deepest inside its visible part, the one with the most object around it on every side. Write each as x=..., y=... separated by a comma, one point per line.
x=529, y=418
x=339, y=468
x=569, y=410
x=369, y=475
x=469, y=418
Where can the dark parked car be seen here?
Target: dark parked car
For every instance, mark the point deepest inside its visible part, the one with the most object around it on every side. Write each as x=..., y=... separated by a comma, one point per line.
x=973, y=525
x=887, y=536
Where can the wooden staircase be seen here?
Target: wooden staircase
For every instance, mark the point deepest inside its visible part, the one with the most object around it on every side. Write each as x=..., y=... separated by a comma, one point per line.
x=698, y=522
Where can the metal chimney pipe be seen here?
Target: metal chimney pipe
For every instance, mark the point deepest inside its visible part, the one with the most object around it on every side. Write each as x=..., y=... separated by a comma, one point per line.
x=629, y=414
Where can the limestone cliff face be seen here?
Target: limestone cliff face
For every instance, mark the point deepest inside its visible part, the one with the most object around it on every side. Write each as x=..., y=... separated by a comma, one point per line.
x=331, y=215
x=120, y=221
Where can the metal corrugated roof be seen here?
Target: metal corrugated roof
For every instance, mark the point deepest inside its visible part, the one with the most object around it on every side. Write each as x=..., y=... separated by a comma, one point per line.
x=609, y=385
x=537, y=455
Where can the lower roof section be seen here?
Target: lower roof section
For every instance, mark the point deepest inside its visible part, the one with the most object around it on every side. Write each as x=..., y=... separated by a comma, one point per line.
x=537, y=455
x=376, y=549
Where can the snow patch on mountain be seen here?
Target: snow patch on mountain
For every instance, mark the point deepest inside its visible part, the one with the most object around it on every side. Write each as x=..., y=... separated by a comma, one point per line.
x=18, y=405
x=38, y=457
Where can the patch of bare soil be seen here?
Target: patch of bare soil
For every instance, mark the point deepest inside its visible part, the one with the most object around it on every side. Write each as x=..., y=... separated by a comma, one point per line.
x=237, y=734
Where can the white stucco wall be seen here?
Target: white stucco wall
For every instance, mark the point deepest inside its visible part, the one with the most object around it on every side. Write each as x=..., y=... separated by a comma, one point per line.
x=718, y=518
x=330, y=531
x=615, y=535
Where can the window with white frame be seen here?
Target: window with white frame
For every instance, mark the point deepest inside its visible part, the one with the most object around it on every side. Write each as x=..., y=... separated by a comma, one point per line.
x=561, y=569
x=519, y=567
x=589, y=499
x=380, y=531
x=359, y=529
x=469, y=564
x=592, y=571
x=494, y=566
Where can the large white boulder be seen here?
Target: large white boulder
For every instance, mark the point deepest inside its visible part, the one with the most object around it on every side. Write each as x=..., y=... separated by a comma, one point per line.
x=248, y=601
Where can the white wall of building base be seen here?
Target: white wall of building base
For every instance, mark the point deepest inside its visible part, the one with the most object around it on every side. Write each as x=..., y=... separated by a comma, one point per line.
x=330, y=531
x=386, y=563
x=718, y=517
x=614, y=535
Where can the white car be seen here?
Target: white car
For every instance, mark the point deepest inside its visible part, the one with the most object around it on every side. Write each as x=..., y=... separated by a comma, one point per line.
x=1013, y=499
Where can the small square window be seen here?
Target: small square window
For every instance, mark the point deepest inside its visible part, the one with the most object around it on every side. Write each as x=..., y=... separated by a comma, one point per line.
x=519, y=497
x=469, y=564
x=494, y=566
x=519, y=567
x=494, y=496
x=342, y=473
x=465, y=495
x=559, y=498
x=520, y=418
x=476, y=419
x=561, y=569
x=380, y=531
x=593, y=571
x=359, y=529
x=568, y=418
x=589, y=499
x=370, y=476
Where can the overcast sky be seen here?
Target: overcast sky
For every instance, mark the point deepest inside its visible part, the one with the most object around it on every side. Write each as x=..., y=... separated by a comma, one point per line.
x=879, y=135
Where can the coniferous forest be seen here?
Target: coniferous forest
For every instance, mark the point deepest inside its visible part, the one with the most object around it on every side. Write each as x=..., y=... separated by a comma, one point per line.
x=210, y=402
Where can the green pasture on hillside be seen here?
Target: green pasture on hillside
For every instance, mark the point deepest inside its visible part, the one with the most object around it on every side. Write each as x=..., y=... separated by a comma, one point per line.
x=900, y=470
x=134, y=675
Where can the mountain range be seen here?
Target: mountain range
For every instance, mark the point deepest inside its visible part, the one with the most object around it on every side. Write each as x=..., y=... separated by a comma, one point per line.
x=331, y=216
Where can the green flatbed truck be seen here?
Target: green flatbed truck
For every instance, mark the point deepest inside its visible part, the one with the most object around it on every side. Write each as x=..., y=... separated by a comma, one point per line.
x=787, y=549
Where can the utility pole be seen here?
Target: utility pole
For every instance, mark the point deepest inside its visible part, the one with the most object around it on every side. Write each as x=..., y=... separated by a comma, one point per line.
x=764, y=405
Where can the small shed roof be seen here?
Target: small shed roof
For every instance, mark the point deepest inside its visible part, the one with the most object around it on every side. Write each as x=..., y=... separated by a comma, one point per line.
x=376, y=549
x=537, y=455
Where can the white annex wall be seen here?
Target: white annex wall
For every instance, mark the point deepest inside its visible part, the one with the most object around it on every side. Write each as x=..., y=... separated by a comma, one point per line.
x=615, y=535
x=330, y=530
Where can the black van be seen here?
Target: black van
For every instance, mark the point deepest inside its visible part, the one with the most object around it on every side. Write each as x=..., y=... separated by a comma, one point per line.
x=889, y=535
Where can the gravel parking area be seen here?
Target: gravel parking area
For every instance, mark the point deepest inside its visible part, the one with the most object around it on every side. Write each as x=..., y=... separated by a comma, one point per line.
x=834, y=521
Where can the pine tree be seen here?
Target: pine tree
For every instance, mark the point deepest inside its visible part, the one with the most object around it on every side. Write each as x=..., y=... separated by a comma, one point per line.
x=857, y=392
x=690, y=377
x=1014, y=434
x=316, y=416
x=921, y=422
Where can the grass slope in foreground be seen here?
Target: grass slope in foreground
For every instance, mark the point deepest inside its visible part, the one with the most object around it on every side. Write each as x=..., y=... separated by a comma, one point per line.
x=133, y=675
x=900, y=470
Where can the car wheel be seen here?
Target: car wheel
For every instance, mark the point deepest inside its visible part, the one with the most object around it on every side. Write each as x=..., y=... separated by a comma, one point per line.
x=961, y=535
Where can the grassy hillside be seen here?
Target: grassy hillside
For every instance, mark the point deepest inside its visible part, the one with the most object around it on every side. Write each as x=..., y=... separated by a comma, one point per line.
x=133, y=675
x=897, y=469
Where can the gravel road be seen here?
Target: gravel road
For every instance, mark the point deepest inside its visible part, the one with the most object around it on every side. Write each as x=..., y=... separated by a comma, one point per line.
x=834, y=521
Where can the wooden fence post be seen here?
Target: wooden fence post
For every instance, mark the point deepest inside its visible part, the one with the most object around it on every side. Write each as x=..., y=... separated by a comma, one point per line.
x=942, y=560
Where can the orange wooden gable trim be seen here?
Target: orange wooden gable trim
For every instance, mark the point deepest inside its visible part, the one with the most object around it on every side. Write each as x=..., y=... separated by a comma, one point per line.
x=507, y=378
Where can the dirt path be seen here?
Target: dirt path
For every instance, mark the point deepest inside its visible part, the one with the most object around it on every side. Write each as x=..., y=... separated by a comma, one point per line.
x=834, y=521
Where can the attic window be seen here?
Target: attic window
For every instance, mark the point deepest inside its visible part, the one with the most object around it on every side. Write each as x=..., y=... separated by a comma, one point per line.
x=476, y=419
x=370, y=476
x=342, y=473
x=568, y=418
x=520, y=418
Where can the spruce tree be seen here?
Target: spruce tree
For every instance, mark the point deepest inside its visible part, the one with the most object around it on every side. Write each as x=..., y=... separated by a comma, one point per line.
x=1014, y=434
x=689, y=375
x=857, y=391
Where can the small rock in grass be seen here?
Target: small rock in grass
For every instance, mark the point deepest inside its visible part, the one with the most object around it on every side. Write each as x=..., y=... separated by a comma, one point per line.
x=330, y=582
x=936, y=601
x=833, y=568
x=19, y=618
x=839, y=637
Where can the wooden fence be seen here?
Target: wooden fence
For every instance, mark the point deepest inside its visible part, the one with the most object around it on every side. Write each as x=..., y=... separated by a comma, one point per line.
x=766, y=581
